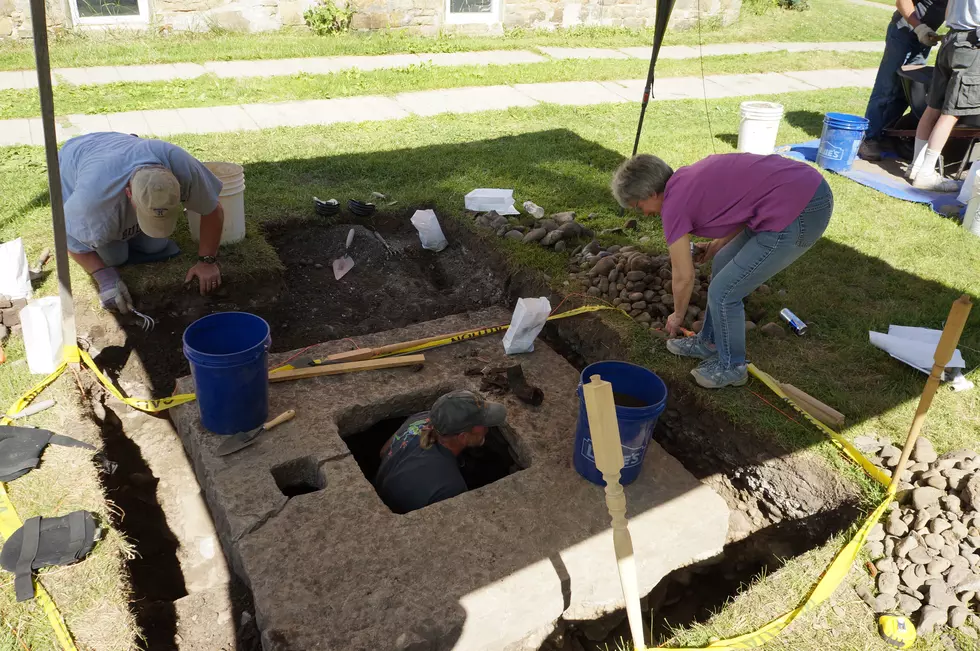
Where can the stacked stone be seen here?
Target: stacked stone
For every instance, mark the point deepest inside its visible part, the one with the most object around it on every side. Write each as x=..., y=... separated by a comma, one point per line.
x=635, y=282
x=927, y=548
x=552, y=232
x=10, y=315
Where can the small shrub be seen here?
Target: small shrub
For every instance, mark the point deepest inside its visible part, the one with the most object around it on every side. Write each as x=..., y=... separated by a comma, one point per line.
x=327, y=18
x=795, y=5
x=760, y=7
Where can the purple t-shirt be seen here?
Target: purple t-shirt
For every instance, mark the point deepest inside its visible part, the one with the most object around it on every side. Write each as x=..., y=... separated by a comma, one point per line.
x=725, y=192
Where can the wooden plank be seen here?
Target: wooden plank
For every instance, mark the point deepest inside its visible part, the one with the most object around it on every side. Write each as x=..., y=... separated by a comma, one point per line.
x=822, y=412
x=347, y=367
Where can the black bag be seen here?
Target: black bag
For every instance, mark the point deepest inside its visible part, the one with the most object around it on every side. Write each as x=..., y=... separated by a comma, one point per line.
x=21, y=447
x=42, y=542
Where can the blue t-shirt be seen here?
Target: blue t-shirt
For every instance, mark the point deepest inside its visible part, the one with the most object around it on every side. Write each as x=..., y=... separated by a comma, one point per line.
x=97, y=167
x=411, y=477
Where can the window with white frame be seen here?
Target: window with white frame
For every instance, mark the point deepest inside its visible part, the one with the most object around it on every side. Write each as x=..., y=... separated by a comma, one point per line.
x=472, y=11
x=109, y=12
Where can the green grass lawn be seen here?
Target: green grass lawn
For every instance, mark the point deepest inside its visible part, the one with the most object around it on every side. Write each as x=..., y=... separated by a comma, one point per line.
x=213, y=91
x=881, y=261
x=828, y=20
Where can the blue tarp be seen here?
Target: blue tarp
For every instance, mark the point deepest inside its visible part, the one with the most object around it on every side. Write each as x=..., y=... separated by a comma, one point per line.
x=876, y=177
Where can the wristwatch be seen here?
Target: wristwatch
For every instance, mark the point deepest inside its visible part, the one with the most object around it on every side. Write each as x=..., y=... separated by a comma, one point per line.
x=210, y=259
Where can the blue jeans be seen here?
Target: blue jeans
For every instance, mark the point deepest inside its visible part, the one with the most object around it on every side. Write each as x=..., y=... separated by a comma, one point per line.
x=749, y=260
x=888, y=102
x=115, y=254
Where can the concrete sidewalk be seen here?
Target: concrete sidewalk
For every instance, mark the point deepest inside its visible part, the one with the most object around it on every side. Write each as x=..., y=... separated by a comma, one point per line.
x=252, y=117
x=24, y=79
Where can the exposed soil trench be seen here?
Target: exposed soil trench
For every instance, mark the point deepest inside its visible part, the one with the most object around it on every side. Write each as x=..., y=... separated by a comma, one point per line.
x=783, y=506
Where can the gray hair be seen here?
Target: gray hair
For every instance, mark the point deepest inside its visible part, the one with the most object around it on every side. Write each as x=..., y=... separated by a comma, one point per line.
x=639, y=178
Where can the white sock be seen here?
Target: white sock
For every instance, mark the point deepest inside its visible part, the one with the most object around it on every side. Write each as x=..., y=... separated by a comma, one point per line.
x=929, y=162
x=920, y=151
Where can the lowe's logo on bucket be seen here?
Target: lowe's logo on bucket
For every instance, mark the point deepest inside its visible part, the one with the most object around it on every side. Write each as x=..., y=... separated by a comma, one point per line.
x=831, y=152
x=631, y=456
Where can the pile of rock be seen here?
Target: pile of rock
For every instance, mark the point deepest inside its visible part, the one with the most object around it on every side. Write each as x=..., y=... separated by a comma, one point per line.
x=10, y=315
x=553, y=232
x=927, y=548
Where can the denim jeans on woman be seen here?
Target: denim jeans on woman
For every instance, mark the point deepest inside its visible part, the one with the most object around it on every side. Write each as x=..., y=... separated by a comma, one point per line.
x=749, y=260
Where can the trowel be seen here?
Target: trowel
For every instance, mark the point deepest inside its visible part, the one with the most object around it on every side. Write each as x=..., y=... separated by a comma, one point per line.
x=342, y=265
x=242, y=440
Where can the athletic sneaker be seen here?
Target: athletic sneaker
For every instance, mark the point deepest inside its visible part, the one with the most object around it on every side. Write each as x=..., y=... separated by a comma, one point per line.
x=690, y=347
x=712, y=375
x=935, y=183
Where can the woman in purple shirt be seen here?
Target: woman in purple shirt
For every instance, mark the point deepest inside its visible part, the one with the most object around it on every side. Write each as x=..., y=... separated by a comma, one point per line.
x=762, y=213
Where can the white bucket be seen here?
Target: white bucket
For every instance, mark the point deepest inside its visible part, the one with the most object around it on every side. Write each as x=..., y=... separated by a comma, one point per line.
x=759, y=126
x=232, y=199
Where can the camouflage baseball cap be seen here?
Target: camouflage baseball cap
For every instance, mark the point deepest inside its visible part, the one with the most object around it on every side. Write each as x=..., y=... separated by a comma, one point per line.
x=459, y=411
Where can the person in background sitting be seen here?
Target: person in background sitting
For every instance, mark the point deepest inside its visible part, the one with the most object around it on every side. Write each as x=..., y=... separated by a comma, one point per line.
x=763, y=212
x=908, y=40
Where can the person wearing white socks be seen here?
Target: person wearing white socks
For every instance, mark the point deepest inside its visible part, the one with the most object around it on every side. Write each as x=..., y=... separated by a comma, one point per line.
x=955, y=92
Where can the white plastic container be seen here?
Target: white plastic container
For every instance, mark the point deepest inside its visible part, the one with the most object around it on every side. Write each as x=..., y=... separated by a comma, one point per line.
x=759, y=126
x=232, y=199
x=971, y=220
x=430, y=232
x=43, y=338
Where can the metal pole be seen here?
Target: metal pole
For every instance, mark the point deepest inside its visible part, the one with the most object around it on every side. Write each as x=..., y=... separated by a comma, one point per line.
x=39, y=24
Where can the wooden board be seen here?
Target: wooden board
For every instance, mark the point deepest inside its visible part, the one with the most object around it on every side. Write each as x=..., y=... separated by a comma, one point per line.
x=348, y=367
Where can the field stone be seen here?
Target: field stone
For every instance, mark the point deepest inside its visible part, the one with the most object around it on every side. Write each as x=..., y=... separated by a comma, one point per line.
x=937, y=566
x=957, y=616
x=640, y=305
x=937, y=481
x=614, y=248
x=643, y=318
x=938, y=525
x=939, y=595
x=895, y=527
x=649, y=295
x=908, y=605
x=514, y=235
x=876, y=533
x=560, y=246
x=904, y=546
x=667, y=299
x=923, y=451
x=864, y=593
x=885, y=603
x=910, y=579
x=874, y=549
x=773, y=329
x=886, y=565
x=888, y=583
x=552, y=238
x=601, y=268
x=920, y=556
x=971, y=494
x=635, y=276
x=929, y=618
x=952, y=504
x=971, y=583
x=593, y=291
x=563, y=217
x=547, y=224
x=934, y=541
x=635, y=297
x=925, y=496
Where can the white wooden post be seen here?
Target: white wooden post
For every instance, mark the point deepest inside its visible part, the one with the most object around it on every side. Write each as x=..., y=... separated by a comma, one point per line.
x=608, y=449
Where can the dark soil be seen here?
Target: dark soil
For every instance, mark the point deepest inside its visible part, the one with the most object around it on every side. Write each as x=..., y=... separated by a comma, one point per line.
x=307, y=305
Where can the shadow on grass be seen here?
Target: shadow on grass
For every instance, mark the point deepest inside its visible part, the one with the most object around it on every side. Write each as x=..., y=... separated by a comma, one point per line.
x=839, y=291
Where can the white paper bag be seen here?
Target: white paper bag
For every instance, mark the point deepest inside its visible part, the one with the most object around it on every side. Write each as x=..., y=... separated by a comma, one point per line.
x=15, y=275
x=430, y=232
x=529, y=317
x=41, y=323
x=486, y=199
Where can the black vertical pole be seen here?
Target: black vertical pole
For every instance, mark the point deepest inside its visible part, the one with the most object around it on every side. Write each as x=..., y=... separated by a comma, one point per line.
x=664, y=9
x=39, y=25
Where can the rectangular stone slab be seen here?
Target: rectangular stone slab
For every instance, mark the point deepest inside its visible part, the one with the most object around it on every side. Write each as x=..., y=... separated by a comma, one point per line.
x=492, y=569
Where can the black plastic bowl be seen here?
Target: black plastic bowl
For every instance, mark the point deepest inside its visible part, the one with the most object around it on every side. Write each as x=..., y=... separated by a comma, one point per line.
x=360, y=208
x=327, y=208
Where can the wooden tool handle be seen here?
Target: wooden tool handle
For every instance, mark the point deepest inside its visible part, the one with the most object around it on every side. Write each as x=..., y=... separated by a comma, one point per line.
x=822, y=412
x=280, y=419
x=944, y=352
x=347, y=367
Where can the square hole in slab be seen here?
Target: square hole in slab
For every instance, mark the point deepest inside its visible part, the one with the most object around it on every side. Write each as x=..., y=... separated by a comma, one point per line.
x=502, y=453
x=299, y=477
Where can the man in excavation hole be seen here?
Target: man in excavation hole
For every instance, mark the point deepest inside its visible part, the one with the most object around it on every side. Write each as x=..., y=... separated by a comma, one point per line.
x=419, y=464
x=763, y=212
x=123, y=197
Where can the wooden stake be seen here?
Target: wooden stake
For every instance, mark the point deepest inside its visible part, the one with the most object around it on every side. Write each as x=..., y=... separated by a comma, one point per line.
x=822, y=412
x=370, y=353
x=348, y=367
x=608, y=449
x=944, y=352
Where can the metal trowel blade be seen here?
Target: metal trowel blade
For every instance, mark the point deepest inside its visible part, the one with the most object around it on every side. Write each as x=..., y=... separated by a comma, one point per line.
x=341, y=266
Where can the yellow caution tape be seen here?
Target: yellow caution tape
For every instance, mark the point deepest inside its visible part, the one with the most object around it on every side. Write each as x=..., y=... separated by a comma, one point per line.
x=11, y=522
x=824, y=587
x=469, y=334
x=28, y=397
x=842, y=444
x=151, y=406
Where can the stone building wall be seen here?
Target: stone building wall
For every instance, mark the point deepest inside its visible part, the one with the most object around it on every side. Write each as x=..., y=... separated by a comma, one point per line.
x=424, y=16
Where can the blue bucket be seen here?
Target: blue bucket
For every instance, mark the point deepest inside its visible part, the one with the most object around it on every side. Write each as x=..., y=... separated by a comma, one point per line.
x=839, y=142
x=635, y=423
x=228, y=355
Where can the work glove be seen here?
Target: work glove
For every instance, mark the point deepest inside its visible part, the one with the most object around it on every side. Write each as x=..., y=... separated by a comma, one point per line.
x=113, y=292
x=926, y=35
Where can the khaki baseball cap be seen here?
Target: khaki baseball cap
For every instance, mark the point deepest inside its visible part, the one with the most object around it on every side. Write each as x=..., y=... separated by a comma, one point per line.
x=459, y=411
x=156, y=197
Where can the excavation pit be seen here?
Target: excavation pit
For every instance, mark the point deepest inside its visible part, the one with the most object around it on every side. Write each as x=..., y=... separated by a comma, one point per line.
x=494, y=568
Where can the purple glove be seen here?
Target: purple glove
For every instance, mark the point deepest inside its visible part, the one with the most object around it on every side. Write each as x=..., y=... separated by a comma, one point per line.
x=113, y=292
